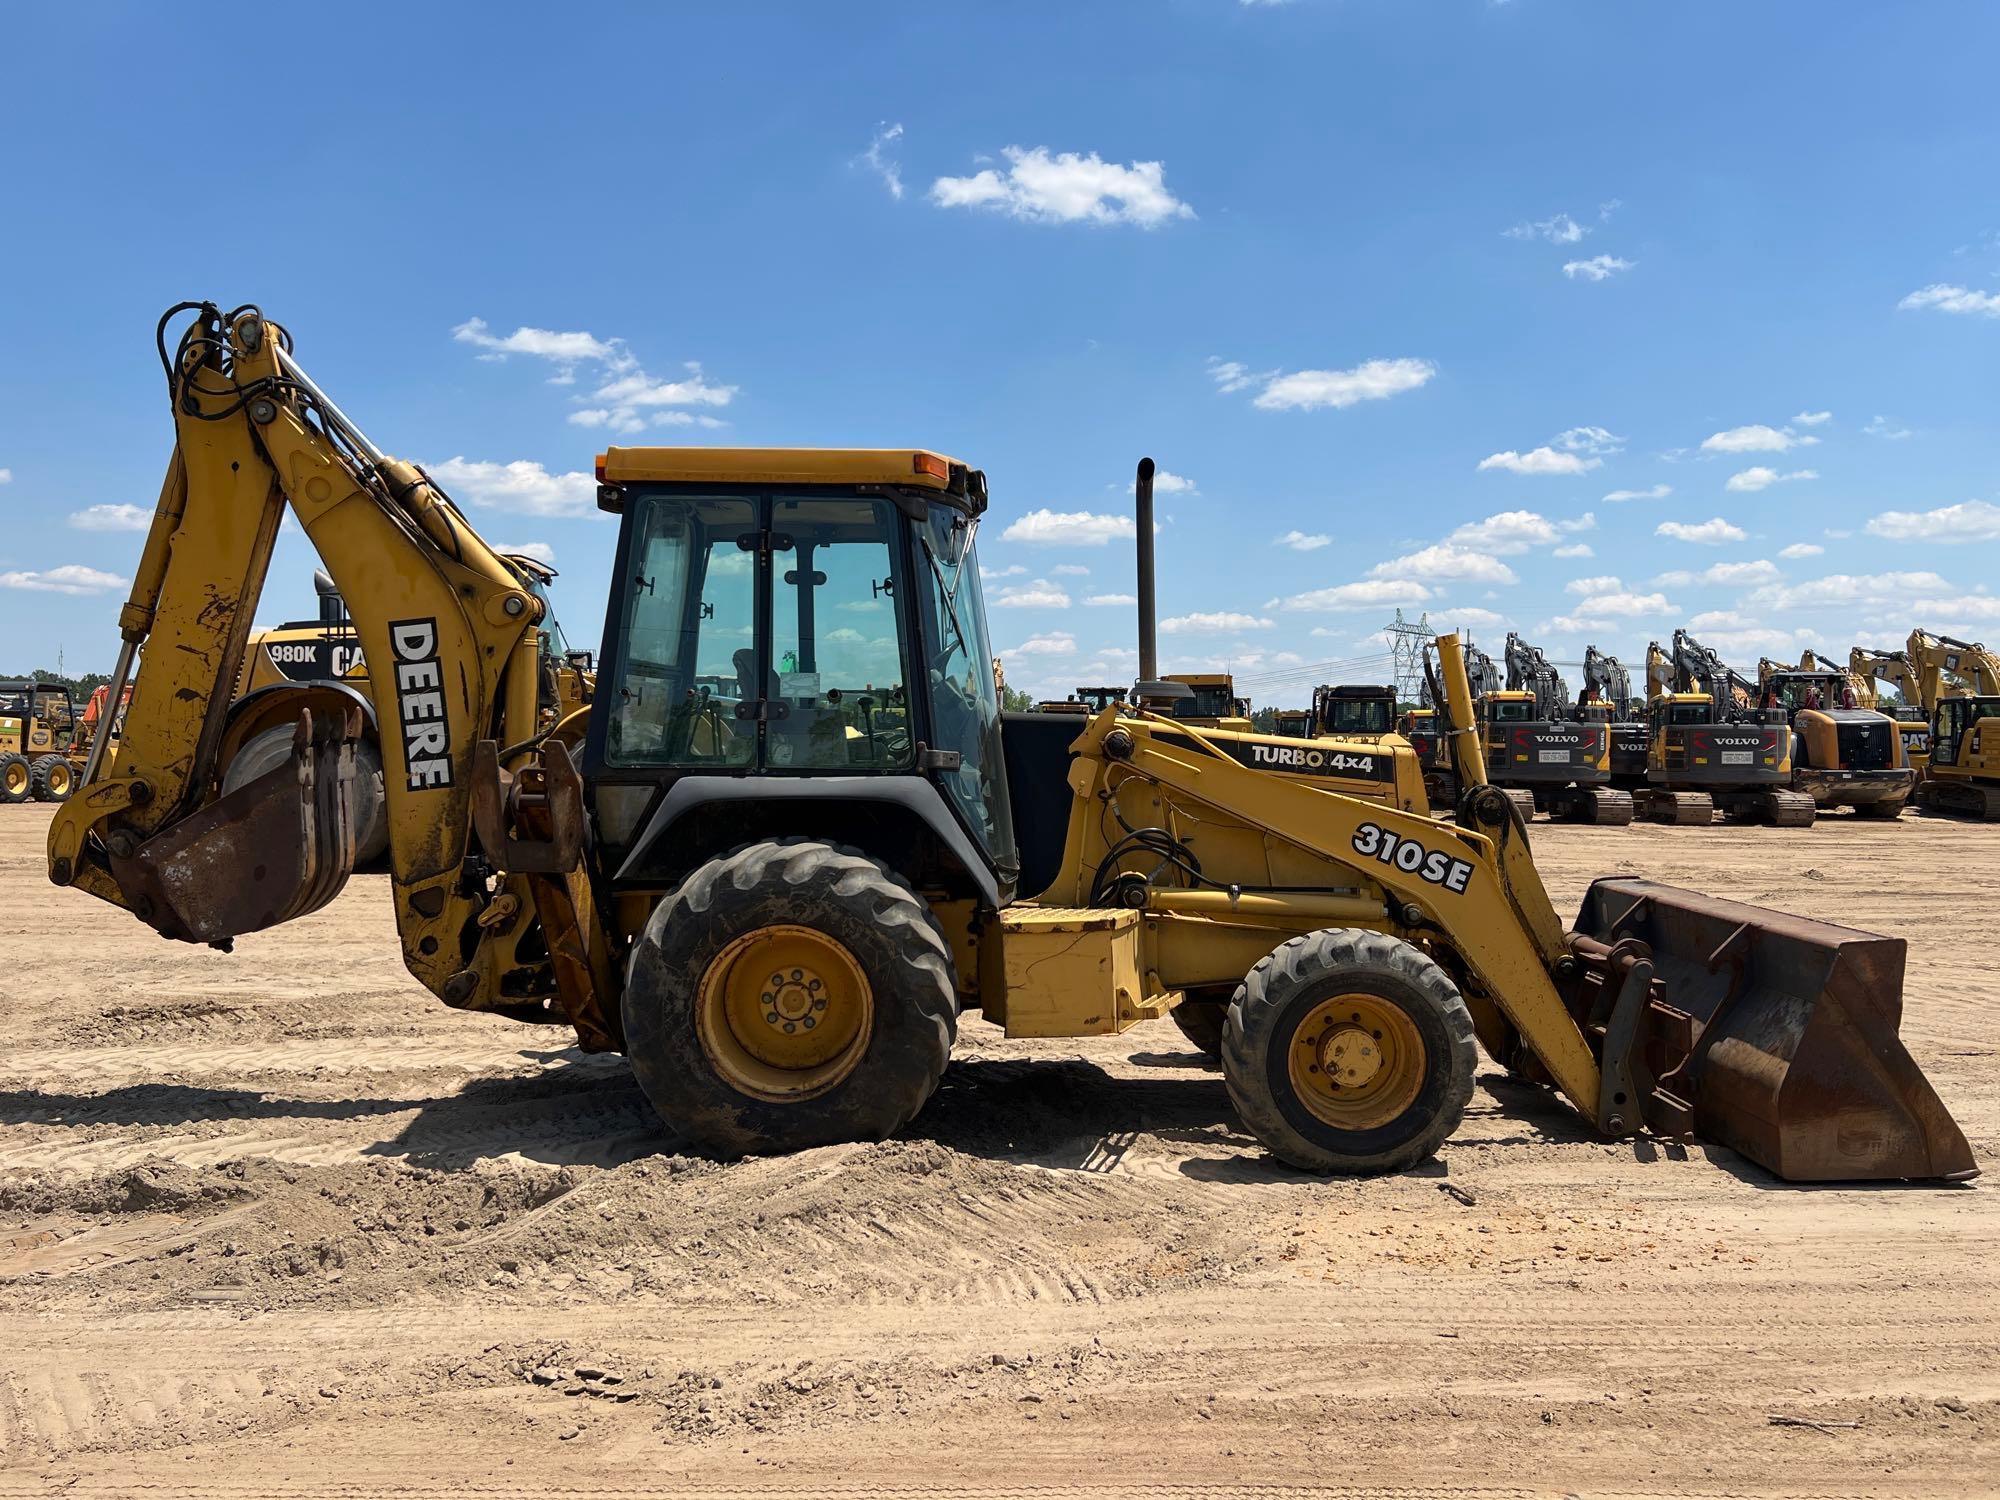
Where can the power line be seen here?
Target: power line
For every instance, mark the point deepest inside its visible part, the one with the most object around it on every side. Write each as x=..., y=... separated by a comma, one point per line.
x=1407, y=639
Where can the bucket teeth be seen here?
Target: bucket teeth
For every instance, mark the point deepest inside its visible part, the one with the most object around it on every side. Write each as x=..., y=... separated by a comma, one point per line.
x=1795, y=1060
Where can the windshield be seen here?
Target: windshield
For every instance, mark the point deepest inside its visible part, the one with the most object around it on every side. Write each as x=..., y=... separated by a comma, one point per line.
x=1357, y=716
x=1512, y=711
x=1208, y=702
x=554, y=643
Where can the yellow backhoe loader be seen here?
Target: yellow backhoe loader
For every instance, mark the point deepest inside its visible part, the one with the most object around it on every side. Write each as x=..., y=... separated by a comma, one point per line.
x=777, y=906
x=1959, y=683
x=38, y=723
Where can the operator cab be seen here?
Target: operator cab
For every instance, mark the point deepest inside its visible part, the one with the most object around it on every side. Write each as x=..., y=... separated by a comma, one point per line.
x=1509, y=708
x=1954, y=737
x=1354, y=711
x=790, y=628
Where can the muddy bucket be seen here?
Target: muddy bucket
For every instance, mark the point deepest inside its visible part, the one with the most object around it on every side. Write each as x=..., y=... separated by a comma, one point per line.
x=1793, y=1056
x=274, y=849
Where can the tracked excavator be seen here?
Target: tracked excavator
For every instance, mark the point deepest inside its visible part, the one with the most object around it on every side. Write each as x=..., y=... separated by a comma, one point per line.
x=1607, y=687
x=1843, y=754
x=1869, y=667
x=1710, y=747
x=1538, y=742
x=1959, y=683
x=778, y=908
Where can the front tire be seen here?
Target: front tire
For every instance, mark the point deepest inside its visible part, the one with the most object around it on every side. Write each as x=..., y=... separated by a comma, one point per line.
x=787, y=995
x=16, y=779
x=1349, y=1051
x=52, y=779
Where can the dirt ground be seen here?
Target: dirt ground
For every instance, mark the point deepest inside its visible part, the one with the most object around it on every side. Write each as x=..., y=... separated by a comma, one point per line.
x=278, y=1223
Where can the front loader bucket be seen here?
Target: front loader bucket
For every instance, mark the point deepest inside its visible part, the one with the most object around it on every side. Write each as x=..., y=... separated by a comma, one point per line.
x=1794, y=1059
x=275, y=848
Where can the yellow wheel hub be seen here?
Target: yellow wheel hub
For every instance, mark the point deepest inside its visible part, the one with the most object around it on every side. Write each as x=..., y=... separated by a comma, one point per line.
x=1356, y=1061
x=784, y=1013
x=58, y=780
x=17, y=777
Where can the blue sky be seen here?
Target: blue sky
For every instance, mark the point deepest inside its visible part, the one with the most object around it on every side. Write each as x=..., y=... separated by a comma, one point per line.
x=1419, y=285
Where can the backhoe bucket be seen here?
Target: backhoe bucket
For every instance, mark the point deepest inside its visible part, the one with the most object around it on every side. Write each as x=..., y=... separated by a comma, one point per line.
x=1792, y=1057
x=274, y=849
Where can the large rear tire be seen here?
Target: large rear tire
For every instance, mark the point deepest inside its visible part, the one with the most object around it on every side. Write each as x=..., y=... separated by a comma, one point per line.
x=17, y=780
x=1349, y=1051
x=52, y=779
x=789, y=994
x=1201, y=1022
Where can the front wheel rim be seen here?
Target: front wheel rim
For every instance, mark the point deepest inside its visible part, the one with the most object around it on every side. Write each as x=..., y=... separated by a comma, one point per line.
x=17, y=779
x=1356, y=1061
x=784, y=1013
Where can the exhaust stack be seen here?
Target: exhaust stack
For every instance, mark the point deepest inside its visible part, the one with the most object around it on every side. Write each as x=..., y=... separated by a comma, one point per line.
x=1149, y=646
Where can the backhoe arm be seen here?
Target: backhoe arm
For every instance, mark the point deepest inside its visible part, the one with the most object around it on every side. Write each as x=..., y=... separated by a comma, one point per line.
x=445, y=623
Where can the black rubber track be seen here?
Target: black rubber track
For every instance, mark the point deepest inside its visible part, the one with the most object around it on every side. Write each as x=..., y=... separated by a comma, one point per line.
x=841, y=892
x=1273, y=1001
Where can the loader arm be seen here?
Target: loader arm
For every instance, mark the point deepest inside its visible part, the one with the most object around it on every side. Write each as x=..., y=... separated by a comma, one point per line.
x=450, y=622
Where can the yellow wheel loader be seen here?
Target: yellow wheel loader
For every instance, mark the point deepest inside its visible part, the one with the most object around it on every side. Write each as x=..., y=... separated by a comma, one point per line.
x=37, y=726
x=778, y=901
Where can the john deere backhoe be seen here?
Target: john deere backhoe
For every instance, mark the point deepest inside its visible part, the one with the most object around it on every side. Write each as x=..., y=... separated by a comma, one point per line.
x=778, y=900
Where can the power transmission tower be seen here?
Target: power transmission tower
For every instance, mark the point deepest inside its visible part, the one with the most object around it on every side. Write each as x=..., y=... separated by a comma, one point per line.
x=1406, y=650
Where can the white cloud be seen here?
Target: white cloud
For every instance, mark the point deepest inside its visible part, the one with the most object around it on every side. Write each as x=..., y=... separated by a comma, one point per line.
x=1813, y=418
x=69, y=578
x=111, y=518
x=1507, y=533
x=1014, y=570
x=1600, y=609
x=541, y=552
x=1657, y=492
x=6, y=476
x=1729, y=633
x=1589, y=440
x=1368, y=594
x=614, y=421
x=1756, y=438
x=1066, y=188
x=1968, y=521
x=1167, y=483
x=1213, y=623
x=1710, y=533
x=1866, y=589
x=562, y=349
x=1054, y=643
x=1604, y=583
x=1069, y=528
x=1954, y=299
x=878, y=160
x=1468, y=618
x=1558, y=230
x=1037, y=594
x=1575, y=549
x=1309, y=390
x=1070, y=570
x=1299, y=541
x=1232, y=375
x=1882, y=427
x=1759, y=477
x=1543, y=460
x=1967, y=607
x=1725, y=575
x=1801, y=549
x=1445, y=561
x=518, y=486
x=1597, y=268
x=634, y=388
x=1107, y=599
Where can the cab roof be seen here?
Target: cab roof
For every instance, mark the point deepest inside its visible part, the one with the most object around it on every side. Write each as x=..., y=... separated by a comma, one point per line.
x=897, y=468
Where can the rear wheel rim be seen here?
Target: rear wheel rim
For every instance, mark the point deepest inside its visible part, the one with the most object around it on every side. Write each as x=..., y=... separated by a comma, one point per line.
x=16, y=778
x=1356, y=1061
x=784, y=1013
x=57, y=781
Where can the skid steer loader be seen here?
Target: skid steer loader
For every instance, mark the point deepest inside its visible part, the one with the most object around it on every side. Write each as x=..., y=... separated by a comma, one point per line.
x=778, y=900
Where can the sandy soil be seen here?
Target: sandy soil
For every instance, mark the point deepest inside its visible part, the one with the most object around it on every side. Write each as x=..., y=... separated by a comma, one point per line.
x=278, y=1223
